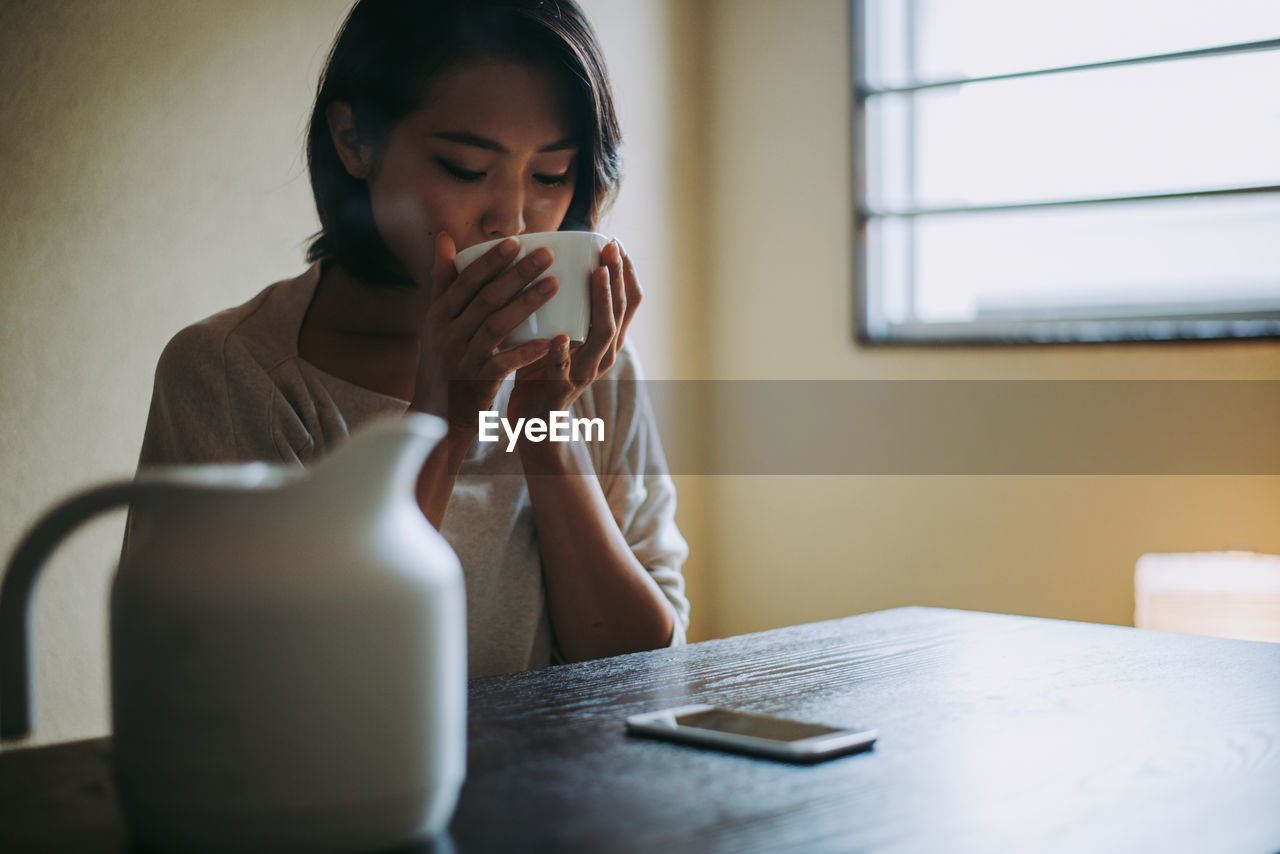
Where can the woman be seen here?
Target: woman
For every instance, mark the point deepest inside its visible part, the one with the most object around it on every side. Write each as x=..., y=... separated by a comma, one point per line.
x=440, y=124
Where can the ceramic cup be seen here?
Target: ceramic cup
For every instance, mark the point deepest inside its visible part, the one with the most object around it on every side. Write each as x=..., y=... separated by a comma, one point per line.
x=575, y=254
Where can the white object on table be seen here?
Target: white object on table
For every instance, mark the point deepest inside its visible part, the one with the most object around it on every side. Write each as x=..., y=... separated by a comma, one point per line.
x=1232, y=594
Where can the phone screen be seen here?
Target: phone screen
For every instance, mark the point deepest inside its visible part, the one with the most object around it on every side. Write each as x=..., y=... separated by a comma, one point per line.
x=759, y=726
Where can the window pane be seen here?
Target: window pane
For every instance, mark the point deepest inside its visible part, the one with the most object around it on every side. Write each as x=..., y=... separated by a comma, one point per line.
x=1163, y=127
x=888, y=145
x=1092, y=260
x=976, y=38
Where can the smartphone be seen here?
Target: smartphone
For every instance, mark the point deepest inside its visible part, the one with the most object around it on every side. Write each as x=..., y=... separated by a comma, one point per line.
x=761, y=735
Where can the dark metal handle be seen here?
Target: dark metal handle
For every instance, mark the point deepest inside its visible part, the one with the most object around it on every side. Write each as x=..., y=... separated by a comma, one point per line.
x=15, y=595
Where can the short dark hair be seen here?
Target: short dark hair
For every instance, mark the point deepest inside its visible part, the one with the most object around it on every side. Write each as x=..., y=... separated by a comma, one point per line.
x=381, y=64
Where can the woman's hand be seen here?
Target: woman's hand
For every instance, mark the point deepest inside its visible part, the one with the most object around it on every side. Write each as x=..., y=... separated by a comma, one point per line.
x=555, y=380
x=461, y=365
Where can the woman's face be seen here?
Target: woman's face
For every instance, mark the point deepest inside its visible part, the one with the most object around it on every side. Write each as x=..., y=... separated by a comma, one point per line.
x=490, y=153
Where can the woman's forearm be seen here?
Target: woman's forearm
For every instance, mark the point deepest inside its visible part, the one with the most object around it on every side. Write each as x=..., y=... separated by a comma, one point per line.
x=439, y=475
x=601, y=598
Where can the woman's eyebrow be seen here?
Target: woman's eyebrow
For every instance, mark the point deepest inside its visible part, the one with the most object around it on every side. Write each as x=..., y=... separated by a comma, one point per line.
x=477, y=141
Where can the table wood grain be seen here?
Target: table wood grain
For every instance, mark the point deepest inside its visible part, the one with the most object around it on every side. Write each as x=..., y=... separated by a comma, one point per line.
x=997, y=733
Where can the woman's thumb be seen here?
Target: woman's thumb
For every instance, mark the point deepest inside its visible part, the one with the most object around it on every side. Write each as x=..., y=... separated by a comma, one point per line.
x=442, y=269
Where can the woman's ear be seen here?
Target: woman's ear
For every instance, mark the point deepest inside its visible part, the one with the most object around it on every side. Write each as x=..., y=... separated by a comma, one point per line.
x=355, y=157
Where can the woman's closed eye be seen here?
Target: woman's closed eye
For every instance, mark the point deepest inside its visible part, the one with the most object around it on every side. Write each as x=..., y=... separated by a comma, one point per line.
x=552, y=180
x=459, y=172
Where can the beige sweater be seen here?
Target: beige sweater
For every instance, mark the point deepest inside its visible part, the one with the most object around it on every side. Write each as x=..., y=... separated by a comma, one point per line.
x=232, y=388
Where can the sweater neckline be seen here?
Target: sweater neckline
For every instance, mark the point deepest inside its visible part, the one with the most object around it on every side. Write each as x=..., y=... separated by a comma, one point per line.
x=300, y=291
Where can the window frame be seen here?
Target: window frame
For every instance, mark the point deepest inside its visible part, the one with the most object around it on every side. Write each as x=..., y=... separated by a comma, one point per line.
x=1179, y=322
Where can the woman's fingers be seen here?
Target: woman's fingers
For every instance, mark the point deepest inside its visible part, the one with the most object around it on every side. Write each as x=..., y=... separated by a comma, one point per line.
x=483, y=342
x=634, y=293
x=504, y=362
x=484, y=303
x=508, y=290
x=559, y=356
x=464, y=287
x=612, y=257
x=443, y=271
x=618, y=294
x=565, y=372
x=600, y=336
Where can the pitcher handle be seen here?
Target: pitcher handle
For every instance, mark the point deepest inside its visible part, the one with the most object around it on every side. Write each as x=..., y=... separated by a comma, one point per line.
x=15, y=594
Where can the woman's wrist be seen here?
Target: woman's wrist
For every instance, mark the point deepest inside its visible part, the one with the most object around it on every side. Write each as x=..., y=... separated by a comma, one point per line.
x=457, y=440
x=440, y=473
x=431, y=400
x=520, y=407
x=547, y=457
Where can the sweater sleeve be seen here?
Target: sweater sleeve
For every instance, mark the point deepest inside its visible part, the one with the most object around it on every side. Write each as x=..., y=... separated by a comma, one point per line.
x=637, y=484
x=190, y=418
x=211, y=404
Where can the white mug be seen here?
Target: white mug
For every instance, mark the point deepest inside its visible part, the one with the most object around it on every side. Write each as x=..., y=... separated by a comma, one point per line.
x=575, y=255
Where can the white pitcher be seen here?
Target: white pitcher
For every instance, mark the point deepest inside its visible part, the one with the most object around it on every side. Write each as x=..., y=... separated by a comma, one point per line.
x=288, y=650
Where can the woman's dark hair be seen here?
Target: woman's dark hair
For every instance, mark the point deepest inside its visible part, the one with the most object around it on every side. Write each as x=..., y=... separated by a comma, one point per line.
x=381, y=64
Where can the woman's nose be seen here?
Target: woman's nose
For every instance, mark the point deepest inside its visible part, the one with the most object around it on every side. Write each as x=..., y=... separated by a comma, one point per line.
x=504, y=215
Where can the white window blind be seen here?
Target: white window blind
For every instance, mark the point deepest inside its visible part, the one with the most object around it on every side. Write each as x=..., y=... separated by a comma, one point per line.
x=1067, y=170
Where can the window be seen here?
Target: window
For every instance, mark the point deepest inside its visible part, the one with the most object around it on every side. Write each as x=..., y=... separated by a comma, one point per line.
x=1067, y=170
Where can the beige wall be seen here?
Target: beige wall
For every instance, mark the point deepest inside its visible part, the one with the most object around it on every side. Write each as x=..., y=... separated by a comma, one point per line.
x=790, y=549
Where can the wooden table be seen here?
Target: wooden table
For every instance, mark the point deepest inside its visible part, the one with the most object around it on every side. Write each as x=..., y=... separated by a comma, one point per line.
x=997, y=733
